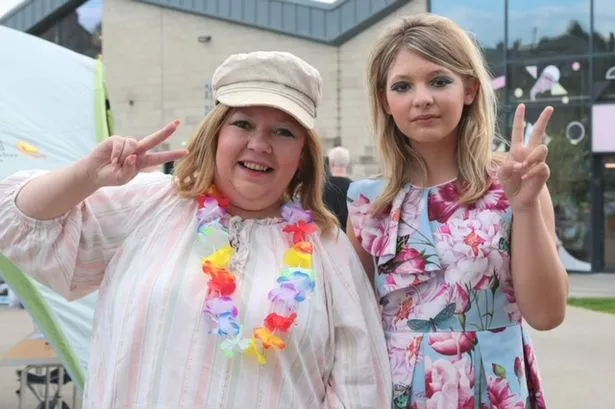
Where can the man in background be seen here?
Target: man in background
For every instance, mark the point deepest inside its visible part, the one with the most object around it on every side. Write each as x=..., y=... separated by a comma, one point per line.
x=336, y=187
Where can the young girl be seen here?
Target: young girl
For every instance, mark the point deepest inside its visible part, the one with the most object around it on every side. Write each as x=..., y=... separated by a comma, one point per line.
x=462, y=244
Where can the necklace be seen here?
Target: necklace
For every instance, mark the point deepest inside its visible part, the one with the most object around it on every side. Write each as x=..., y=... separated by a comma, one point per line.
x=295, y=283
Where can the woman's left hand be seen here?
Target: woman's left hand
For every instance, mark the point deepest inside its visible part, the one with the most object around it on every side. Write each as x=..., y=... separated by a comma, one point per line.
x=525, y=172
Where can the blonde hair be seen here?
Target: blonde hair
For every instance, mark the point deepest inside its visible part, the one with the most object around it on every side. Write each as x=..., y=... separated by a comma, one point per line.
x=441, y=41
x=195, y=172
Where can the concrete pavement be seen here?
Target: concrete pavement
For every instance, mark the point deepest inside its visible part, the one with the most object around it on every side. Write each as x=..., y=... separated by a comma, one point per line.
x=592, y=285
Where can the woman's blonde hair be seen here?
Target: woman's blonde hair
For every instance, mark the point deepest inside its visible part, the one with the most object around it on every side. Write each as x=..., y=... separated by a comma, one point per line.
x=195, y=172
x=441, y=41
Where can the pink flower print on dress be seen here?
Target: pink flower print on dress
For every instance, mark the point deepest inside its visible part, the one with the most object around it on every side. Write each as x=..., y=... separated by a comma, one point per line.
x=443, y=202
x=501, y=396
x=534, y=382
x=470, y=252
x=453, y=343
x=494, y=199
x=369, y=230
x=449, y=384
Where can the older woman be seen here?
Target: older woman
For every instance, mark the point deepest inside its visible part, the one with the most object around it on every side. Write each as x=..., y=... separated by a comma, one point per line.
x=227, y=285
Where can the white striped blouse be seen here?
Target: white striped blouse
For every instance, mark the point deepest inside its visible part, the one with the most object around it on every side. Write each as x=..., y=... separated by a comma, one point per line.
x=150, y=346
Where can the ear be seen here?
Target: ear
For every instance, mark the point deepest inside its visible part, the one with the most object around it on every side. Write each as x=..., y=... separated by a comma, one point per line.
x=382, y=96
x=471, y=90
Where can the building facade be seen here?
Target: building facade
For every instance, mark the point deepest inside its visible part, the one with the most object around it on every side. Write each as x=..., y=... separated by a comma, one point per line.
x=559, y=53
x=160, y=55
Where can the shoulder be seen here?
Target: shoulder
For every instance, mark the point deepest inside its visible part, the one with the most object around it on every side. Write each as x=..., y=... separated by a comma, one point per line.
x=369, y=188
x=336, y=248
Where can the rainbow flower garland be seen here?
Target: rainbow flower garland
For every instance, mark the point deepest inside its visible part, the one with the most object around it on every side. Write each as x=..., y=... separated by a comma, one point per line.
x=296, y=280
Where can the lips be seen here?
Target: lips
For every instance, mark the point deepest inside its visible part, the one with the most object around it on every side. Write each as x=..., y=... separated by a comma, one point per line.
x=255, y=166
x=424, y=118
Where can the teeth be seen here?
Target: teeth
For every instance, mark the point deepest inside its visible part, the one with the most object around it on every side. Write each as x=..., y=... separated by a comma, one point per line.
x=255, y=166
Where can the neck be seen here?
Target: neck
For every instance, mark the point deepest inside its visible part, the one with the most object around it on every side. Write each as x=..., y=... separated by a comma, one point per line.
x=339, y=171
x=440, y=160
x=271, y=211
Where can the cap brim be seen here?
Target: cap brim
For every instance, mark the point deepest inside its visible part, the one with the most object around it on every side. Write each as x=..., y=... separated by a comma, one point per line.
x=262, y=98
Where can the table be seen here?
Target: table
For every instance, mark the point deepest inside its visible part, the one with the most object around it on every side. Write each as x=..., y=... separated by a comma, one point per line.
x=36, y=354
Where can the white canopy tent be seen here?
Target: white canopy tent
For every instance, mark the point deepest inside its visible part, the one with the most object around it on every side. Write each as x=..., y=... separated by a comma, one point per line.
x=54, y=111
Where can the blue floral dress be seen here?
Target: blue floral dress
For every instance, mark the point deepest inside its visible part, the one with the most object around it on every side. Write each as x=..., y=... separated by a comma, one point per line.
x=454, y=333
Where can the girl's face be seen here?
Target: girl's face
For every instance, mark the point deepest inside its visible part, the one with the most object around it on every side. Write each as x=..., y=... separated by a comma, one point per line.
x=259, y=152
x=425, y=100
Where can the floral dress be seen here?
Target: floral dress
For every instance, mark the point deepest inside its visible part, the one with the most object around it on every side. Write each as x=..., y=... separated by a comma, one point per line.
x=454, y=333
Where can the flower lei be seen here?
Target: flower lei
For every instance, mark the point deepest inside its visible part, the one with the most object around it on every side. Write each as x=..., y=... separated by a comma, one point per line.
x=295, y=282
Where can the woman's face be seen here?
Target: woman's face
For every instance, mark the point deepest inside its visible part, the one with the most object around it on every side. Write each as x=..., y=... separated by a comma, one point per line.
x=425, y=99
x=259, y=153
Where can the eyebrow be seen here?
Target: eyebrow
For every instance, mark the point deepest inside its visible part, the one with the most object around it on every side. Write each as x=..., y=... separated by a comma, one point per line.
x=432, y=73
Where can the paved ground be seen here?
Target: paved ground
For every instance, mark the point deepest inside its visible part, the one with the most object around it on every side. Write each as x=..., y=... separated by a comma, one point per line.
x=576, y=360
x=592, y=285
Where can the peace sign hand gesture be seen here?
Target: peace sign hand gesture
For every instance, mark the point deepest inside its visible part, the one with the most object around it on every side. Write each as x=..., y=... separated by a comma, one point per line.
x=117, y=160
x=524, y=173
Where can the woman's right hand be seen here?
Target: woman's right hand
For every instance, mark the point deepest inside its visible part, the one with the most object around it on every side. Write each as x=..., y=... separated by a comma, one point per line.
x=118, y=159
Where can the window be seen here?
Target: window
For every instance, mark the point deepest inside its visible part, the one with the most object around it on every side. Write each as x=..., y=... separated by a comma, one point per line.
x=558, y=82
x=604, y=26
x=547, y=27
x=569, y=141
x=604, y=78
x=80, y=30
x=484, y=19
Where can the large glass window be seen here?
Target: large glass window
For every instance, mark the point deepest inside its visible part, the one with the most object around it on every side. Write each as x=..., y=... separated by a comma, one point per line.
x=604, y=26
x=569, y=142
x=557, y=82
x=80, y=30
x=483, y=18
x=604, y=78
x=548, y=27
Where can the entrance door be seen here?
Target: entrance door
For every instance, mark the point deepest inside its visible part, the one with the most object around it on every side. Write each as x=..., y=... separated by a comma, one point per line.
x=609, y=212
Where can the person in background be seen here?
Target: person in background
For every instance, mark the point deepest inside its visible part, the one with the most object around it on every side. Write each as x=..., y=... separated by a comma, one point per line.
x=337, y=183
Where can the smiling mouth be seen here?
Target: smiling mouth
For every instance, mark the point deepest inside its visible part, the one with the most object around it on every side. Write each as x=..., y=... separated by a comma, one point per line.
x=255, y=167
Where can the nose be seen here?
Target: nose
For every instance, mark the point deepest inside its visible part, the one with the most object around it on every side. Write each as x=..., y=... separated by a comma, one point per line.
x=422, y=97
x=260, y=141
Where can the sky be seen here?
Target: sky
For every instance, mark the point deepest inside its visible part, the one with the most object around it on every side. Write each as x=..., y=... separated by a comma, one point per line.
x=6, y=5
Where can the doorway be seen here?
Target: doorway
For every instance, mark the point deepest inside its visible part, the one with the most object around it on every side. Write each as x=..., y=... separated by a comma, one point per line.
x=608, y=172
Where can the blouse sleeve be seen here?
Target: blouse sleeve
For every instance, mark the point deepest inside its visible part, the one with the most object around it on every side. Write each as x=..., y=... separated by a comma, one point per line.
x=70, y=253
x=360, y=377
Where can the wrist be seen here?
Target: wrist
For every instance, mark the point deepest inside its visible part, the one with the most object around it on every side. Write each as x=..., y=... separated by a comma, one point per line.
x=531, y=209
x=84, y=175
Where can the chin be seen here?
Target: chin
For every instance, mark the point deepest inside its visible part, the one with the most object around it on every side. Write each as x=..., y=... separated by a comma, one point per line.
x=427, y=136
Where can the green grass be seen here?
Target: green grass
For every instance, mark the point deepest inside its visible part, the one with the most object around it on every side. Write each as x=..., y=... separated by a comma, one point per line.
x=596, y=304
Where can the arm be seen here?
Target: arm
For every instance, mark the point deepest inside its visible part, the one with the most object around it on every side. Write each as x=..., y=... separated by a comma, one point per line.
x=70, y=250
x=53, y=194
x=366, y=259
x=539, y=279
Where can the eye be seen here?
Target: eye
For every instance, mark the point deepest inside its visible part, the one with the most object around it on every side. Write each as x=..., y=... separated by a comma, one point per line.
x=400, y=87
x=284, y=132
x=441, y=82
x=242, y=124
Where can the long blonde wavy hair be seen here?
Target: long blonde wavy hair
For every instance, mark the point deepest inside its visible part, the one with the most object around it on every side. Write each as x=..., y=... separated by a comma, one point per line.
x=441, y=41
x=195, y=172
